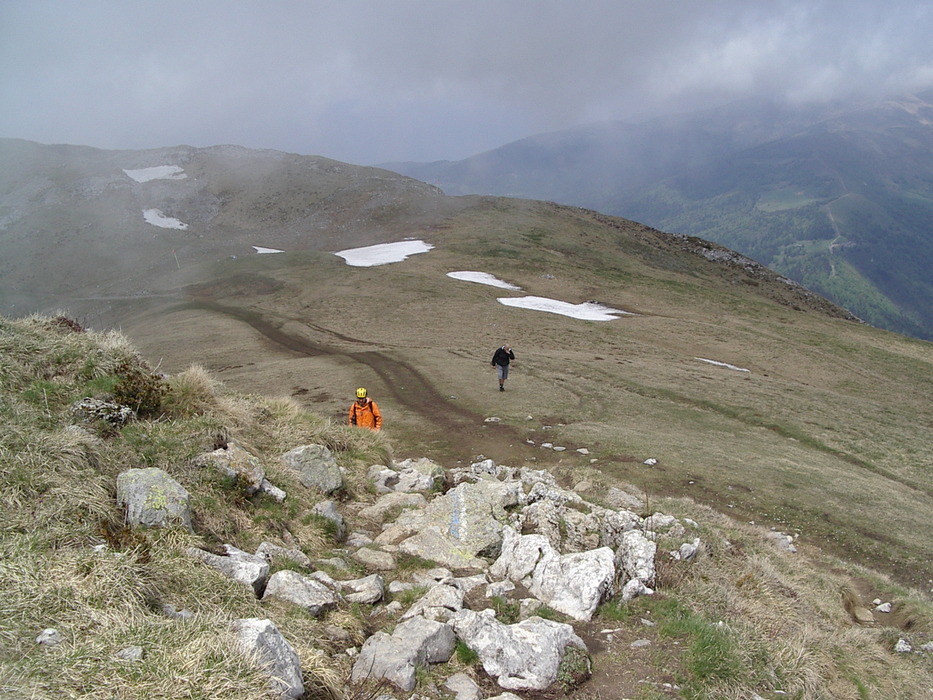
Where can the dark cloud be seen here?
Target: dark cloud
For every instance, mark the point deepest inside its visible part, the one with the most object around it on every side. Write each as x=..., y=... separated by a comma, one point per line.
x=421, y=80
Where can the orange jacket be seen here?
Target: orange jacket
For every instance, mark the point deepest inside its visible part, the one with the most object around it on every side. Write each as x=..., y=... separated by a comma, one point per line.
x=366, y=415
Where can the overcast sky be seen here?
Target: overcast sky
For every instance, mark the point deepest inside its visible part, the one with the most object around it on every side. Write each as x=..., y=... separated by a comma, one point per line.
x=385, y=80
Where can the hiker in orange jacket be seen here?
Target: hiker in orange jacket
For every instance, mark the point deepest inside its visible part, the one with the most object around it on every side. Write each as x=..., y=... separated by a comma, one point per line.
x=364, y=413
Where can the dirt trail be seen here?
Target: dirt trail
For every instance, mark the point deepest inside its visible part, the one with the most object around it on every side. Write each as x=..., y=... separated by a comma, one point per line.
x=453, y=432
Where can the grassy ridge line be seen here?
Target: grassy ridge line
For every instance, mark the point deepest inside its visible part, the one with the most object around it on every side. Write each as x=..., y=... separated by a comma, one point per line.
x=59, y=501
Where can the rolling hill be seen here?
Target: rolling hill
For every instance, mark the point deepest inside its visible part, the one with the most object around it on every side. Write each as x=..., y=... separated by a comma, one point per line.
x=726, y=385
x=838, y=199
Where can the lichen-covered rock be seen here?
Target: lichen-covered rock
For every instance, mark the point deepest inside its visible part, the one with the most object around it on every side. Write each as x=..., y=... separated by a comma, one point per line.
x=152, y=498
x=316, y=468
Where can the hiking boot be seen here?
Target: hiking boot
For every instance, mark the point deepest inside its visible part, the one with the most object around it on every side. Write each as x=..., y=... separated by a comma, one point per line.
x=501, y=388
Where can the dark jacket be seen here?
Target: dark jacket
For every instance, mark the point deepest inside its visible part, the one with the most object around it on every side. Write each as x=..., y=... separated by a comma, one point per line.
x=501, y=357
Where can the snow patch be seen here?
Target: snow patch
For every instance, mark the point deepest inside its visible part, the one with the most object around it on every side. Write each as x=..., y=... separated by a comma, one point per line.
x=588, y=310
x=157, y=218
x=383, y=253
x=262, y=251
x=482, y=278
x=159, y=172
x=722, y=364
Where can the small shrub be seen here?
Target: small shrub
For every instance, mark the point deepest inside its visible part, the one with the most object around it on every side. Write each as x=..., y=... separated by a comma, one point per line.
x=465, y=655
x=139, y=388
x=507, y=611
x=575, y=669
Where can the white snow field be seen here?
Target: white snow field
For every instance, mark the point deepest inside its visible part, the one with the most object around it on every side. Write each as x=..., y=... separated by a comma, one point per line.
x=264, y=251
x=157, y=218
x=383, y=253
x=482, y=278
x=159, y=172
x=588, y=310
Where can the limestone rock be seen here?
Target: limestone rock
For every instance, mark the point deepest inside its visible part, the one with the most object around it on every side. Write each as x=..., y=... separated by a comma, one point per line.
x=262, y=640
x=523, y=656
x=237, y=565
x=316, y=467
x=415, y=642
x=237, y=463
x=153, y=499
x=305, y=592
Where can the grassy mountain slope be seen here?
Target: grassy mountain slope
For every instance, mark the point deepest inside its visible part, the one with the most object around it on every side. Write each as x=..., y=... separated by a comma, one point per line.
x=806, y=192
x=826, y=436
x=746, y=616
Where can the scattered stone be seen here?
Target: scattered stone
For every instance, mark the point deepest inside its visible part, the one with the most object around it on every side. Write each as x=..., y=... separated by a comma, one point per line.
x=903, y=646
x=884, y=607
x=439, y=603
x=523, y=656
x=237, y=565
x=303, y=591
x=328, y=509
x=463, y=687
x=133, y=653
x=414, y=642
x=392, y=501
x=151, y=498
x=89, y=410
x=375, y=559
x=316, y=468
x=49, y=637
x=237, y=463
x=368, y=590
x=273, y=553
x=261, y=639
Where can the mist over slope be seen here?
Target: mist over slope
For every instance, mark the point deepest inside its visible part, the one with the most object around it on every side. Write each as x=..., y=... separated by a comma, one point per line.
x=837, y=198
x=826, y=435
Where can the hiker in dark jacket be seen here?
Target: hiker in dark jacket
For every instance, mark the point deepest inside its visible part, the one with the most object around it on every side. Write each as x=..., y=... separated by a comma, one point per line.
x=500, y=360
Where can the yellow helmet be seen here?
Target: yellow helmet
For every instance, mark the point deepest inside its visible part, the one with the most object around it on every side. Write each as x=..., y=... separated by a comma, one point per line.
x=361, y=393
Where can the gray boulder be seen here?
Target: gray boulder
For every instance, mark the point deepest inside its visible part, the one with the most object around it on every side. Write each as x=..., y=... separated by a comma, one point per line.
x=439, y=603
x=463, y=524
x=523, y=656
x=328, y=509
x=273, y=553
x=635, y=557
x=240, y=566
x=151, y=498
x=368, y=590
x=316, y=467
x=574, y=584
x=415, y=642
x=237, y=463
x=390, y=502
x=307, y=593
x=262, y=641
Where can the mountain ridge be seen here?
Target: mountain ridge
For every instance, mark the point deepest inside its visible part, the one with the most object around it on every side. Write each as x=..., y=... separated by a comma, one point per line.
x=757, y=178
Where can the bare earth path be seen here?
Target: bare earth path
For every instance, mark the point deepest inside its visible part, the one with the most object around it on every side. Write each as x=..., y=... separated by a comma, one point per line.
x=451, y=431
